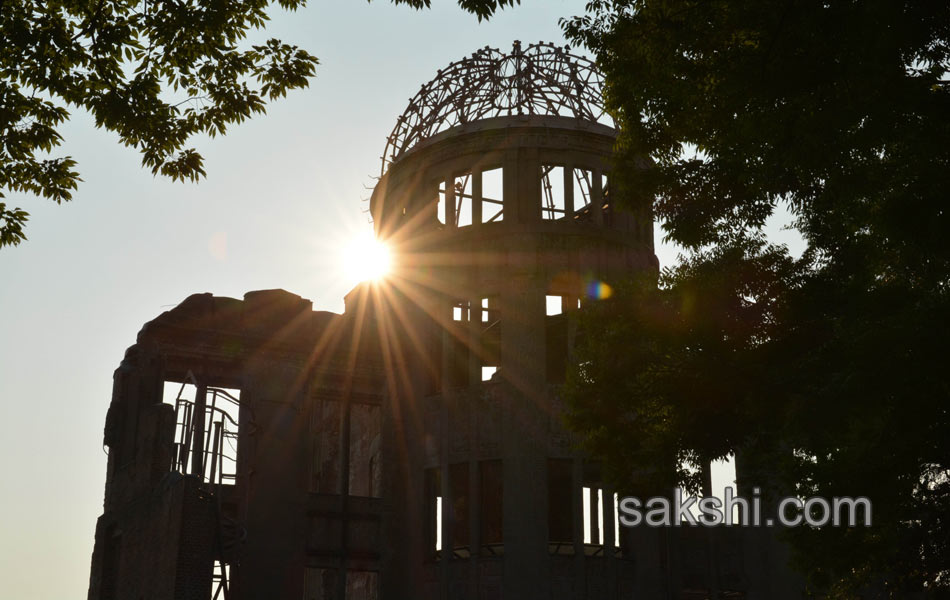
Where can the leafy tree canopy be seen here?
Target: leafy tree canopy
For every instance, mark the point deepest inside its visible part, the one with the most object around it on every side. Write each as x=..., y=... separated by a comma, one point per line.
x=826, y=374
x=154, y=72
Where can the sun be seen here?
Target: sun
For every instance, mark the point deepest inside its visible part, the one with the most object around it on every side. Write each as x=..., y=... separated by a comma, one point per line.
x=366, y=258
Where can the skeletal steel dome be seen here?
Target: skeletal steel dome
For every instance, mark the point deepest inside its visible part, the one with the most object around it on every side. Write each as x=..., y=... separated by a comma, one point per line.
x=542, y=79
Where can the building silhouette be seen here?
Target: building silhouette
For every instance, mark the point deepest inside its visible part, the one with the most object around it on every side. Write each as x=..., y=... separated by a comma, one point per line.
x=411, y=447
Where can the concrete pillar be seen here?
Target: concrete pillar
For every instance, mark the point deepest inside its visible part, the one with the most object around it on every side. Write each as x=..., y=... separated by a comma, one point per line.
x=277, y=486
x=525, y=467
x=569, y=192
x=476, y=197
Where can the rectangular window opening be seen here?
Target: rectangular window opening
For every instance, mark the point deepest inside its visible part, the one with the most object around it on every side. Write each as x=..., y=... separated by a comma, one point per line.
x=723, y=475
x=433, y=510
x=593, y=503
x=489, y=312
x=493, y=202
x=583, y=189
x=489, y=351
x=443, y=212
x=692, y=468
x=224, y=409
x=438, y=523
x=552, y=192
x=461, y=311
x=616, y=520
x=456, y=210
x=181, y=396
x=463, y=200
x=206, y=430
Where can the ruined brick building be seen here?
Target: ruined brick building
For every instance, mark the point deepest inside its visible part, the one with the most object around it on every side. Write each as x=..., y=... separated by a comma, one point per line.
x=411, y=447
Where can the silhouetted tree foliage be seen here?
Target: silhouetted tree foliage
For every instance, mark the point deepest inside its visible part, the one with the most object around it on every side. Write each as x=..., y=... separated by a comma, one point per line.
x=154, y=72
x=826, y=374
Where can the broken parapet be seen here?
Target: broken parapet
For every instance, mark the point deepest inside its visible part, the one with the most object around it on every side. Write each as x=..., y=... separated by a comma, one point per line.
x=177, y=515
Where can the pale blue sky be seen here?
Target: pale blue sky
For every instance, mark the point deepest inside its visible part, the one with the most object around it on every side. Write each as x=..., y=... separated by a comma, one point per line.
x=283, y=192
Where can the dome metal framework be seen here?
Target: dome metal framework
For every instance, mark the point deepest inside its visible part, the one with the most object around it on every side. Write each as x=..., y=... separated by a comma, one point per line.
x=541, y=79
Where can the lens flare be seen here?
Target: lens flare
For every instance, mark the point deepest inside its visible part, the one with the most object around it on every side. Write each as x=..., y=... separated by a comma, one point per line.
x=598, y=290
x=366, y=258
